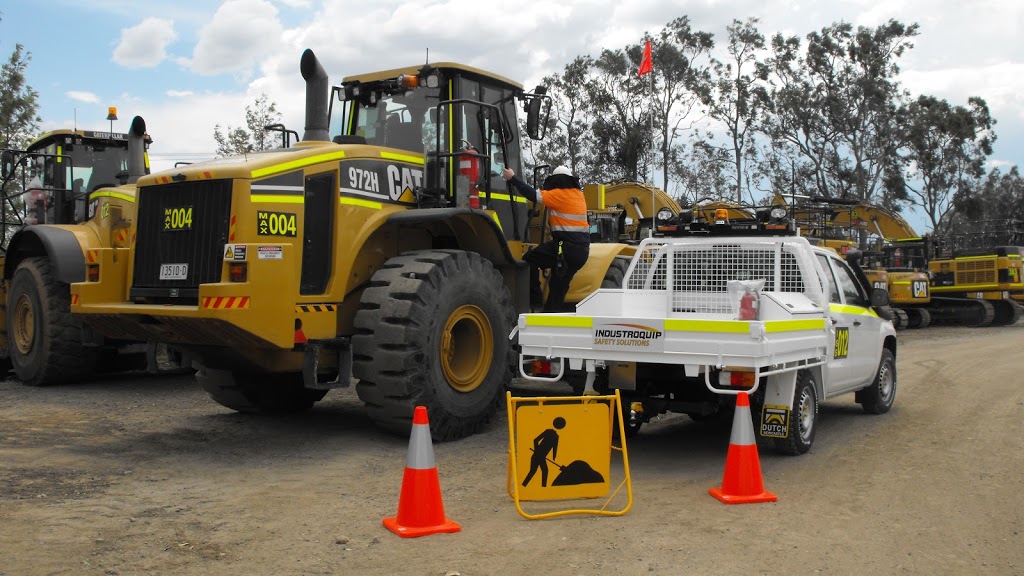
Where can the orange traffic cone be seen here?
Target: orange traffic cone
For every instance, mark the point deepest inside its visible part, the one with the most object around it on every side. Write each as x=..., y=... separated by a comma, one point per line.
x=742, y=483
x=420, y=510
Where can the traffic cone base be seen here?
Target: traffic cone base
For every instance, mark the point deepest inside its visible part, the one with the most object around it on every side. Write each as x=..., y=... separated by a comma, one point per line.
x=741, y=483
x=420, y=510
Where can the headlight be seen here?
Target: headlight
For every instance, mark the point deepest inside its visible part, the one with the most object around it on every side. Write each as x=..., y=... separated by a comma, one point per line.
x=778, y=213
x=664, y=215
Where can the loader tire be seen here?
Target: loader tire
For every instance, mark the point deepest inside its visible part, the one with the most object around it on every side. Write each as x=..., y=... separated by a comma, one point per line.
x=258, y=393
x=432, y=330
x=879, y=397
x=803, y=419
x=45, y=340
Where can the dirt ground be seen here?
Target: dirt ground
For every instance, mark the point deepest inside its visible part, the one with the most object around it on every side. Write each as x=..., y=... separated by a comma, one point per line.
x=146, y=475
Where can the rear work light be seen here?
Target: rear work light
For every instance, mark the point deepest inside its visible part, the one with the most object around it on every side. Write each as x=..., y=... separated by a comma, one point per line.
x=238, y=272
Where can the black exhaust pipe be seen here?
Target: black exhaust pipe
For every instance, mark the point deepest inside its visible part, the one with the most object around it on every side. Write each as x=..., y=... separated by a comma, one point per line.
x=137, y=150
x=316, y=97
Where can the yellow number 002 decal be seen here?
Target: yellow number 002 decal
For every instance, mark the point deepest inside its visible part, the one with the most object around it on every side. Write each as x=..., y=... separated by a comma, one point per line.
x=842, y=342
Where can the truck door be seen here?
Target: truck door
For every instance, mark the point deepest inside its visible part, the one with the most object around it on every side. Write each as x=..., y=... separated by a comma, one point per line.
x=317, y=233
x=839, y=372
x=858, y=329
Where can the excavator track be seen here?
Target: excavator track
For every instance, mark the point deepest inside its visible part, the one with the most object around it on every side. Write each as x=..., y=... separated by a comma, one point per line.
x=917, y=317
x=1007, y=312
x=962, y=311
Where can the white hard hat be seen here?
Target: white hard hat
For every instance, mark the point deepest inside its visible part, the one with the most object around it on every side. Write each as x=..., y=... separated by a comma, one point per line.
x=562, y=170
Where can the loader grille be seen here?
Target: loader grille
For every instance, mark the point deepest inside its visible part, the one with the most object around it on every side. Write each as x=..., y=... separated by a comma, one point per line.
x=181, y=232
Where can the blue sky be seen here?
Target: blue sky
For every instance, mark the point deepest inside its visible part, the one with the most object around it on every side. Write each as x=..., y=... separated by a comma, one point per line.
x=188, y=65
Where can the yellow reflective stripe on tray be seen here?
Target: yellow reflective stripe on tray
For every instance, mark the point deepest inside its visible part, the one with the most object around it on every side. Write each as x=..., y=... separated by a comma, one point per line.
x=727, y=326
x=559, y=321
x=774, y=326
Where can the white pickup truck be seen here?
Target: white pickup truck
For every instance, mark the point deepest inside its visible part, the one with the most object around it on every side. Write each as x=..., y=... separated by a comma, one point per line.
x=674, y=338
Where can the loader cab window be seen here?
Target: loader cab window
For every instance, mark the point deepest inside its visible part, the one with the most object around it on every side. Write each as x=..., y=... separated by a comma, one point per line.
x=405, y=121
x=482, y=126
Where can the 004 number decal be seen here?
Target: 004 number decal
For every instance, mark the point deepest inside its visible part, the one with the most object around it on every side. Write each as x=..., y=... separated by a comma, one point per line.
x=178, y=218
x=275, y=224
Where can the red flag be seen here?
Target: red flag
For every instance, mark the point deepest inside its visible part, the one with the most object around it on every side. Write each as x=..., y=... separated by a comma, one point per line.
x=646, y=65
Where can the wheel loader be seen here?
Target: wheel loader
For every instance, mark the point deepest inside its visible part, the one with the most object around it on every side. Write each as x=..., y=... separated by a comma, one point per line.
x=384, y=249
x=68, y=192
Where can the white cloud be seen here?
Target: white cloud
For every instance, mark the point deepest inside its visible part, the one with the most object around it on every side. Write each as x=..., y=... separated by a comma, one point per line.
x=240, y=35
x=179, y=93
x=81, y=96
x=145, y=45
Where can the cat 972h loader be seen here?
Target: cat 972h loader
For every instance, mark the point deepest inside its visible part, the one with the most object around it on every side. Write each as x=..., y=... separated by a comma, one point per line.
x=384, y=246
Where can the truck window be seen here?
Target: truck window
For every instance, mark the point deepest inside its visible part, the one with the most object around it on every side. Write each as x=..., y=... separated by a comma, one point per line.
x=849, y=286
x=833, y=294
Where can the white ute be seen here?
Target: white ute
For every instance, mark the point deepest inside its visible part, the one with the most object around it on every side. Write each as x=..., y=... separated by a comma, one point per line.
x=701, y=318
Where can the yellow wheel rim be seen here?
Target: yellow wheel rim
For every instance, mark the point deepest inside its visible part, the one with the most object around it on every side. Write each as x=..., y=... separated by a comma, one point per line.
x=467, y=347
x=24, y=324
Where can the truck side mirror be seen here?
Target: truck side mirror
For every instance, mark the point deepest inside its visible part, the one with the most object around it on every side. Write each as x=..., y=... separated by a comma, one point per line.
x=879, y=297
x=533, y=119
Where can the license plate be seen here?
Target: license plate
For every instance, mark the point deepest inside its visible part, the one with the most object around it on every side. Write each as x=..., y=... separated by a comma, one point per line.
x=173, y=271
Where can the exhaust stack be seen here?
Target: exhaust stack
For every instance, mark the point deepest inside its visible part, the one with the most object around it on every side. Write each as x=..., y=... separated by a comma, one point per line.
x=317, y=90
x=137, y=164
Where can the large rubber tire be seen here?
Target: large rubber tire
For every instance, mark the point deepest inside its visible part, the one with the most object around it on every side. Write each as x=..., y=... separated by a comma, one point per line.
x=803, y=419
x=44, y=339
x=432, y=330
x=264, y=393
x=879, y=397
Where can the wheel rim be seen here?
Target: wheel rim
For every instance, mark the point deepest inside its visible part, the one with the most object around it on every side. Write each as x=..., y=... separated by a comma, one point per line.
x=885, y=382
x=24, y=324
x=467, y=347
x=806, y=415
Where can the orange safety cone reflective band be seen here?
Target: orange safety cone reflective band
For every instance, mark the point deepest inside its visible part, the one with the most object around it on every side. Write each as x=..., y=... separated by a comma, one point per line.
x=741, y=483
x=420, y=510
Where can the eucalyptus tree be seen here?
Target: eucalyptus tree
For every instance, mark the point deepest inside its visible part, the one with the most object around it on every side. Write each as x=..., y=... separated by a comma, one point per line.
x=836, y=105
x=944, y=153
x=260, y=114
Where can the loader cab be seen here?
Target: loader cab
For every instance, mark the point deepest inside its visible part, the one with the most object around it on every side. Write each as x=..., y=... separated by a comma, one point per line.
x=459, y=123
x=61, y=169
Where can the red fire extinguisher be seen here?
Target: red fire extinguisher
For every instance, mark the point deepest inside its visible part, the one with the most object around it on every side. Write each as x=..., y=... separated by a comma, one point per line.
x=748, y=306
x=469, y=166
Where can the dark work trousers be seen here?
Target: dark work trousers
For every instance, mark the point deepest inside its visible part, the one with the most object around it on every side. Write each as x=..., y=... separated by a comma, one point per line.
x=545, y=257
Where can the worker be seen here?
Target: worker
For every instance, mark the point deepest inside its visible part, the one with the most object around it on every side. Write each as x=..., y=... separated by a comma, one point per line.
x=569, y=247
x=545, y=442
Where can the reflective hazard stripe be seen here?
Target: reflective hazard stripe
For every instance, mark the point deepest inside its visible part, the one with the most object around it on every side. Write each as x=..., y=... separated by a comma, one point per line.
x=559, y=321
x=315, y=308
x=849, y=309
x=225, y=302
x=359, y=202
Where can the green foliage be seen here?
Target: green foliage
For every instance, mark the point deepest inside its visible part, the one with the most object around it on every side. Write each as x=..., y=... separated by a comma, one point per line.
x=260, y=114
x=19, y=119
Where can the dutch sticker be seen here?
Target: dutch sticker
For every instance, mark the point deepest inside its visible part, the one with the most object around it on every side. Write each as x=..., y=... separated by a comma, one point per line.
x=774, y=421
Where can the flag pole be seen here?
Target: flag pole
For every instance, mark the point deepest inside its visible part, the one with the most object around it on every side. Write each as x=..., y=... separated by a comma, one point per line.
x=650, y=231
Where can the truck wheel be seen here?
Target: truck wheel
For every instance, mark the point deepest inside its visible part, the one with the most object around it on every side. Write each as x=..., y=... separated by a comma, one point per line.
x=432, y=330
x=879, y=397
x=803, y=418
x=45, y=340
x=266, y=393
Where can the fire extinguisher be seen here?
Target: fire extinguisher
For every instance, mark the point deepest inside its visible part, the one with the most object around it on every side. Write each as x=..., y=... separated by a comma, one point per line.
x=897, y=258
x=469, y=166
x=748, y=306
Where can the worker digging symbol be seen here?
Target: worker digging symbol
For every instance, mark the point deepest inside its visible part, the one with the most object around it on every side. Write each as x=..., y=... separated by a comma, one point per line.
x=576, y=472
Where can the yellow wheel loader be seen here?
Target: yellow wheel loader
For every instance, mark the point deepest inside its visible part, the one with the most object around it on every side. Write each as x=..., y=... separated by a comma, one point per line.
x=384, y=247
x=67, y=193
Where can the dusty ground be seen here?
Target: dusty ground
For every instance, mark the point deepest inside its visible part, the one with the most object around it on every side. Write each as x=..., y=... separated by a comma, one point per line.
x=148, y=476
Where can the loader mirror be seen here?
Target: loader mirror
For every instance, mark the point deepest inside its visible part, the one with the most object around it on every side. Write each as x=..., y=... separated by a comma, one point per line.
x=879, y=297
x=533, y=119
x=6, y=164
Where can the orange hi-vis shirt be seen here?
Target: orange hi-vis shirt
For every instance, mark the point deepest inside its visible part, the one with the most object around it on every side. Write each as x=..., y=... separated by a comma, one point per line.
x=567, y=209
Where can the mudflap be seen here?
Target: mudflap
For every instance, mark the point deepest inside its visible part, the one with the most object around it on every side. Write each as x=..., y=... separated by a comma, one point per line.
x=772, y=413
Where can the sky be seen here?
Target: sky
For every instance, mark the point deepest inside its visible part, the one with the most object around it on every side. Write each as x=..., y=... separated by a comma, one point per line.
x=189, y=65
